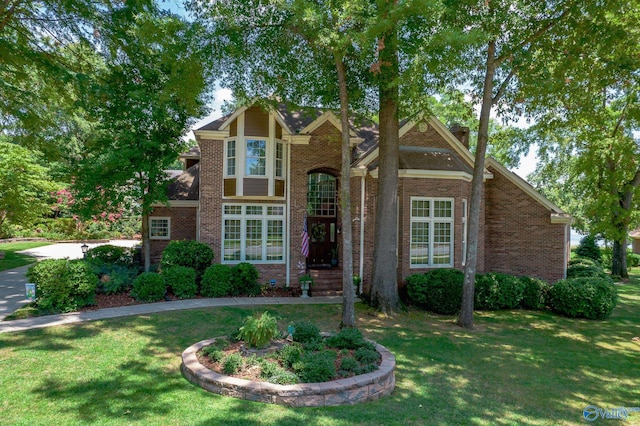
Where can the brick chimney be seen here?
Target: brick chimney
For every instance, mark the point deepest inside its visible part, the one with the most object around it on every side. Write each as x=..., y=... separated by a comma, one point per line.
x=461, y=133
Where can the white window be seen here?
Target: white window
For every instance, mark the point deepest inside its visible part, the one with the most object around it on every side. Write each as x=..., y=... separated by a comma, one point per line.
x=431, y=232
x=230, y=154
x=279, y=160
x=253, y=233
x=159, y=228
x=256, y=157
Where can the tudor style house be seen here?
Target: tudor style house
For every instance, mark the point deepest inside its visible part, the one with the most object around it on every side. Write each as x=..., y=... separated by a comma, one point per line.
x=257, y=176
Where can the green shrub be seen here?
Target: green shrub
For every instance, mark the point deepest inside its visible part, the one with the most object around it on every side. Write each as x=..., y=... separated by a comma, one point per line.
x=347, y=338
x=63, y=285
x=585, y=261
x=216, y=281
x=109, y=254
x=189, y=253
x=368, y=368
x=439, y=290
x=149, y=287
x=290, y=354
x=367, y=356
x=284, y=377
x=213, y=353
x=495, y=291
x=305, y=332
x=349, y=364
x=588, y=248
x=232, y=363
x=581, y=270
x=633, y=260
x=244, y=280
x=316, y=367
x=114, y=278
x=258, y=329
x=592, y=298
x=182, y=281
x=535, y=293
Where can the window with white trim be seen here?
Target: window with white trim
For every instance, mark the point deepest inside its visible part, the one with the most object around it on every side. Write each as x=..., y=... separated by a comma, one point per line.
x=230, y=153
x=159, y=228
x=256, y=157
x=253, y=233
x=279, y=159
x=431, y=232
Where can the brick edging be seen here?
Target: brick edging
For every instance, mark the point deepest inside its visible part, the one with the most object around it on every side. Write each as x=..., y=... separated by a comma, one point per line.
x=352, y=390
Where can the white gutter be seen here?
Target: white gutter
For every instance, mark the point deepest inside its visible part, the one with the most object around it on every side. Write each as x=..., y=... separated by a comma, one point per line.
x=362, y=194
x=288, y=220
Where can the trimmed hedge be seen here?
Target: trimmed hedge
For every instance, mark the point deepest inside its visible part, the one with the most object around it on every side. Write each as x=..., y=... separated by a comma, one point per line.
x=63, y=285
x=439, y=290
x=592, y=298
x=189, y=253
x=534, y=293
x=181, y=280
x=149, y=287
x=244, y=280
x=494, y=291
x=216, y=281
x=110, y=254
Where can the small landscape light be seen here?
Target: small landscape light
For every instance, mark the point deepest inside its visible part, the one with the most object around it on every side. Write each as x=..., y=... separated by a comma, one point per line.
x=84, y=247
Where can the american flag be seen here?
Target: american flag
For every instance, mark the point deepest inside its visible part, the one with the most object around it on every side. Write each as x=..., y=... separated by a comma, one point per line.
x=305, y=238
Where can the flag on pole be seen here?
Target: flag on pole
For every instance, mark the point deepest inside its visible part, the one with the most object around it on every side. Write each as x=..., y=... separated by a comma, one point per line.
x=305, y=238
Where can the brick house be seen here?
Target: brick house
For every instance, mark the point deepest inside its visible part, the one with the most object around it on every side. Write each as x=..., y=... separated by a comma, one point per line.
x=257, y=175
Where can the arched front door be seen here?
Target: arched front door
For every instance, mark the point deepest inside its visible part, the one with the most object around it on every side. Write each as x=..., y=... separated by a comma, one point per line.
x=322, y=210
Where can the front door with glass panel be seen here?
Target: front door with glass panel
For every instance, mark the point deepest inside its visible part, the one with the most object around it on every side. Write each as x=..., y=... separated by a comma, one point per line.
x=322, y=220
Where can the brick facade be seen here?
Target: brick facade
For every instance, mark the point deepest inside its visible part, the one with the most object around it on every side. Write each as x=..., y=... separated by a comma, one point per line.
x=184, y=222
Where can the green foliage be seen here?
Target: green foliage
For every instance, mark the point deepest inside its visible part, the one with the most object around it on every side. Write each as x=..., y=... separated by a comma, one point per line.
x=439, y=290
x=63, y=285
x=535, y=293
x=216, y=281
x=349, y=364
x=584, y=261
x=25, y=187
x=592, y=298
x=181, y=280
x=114, y=278
x=316, y=367
x=494, y=291
x=582, y=267
x=588, y=248
x=284, y=377
x=232, y=363
x=189, y=253
x=111, y=254
x=347, y=338
x=244, y=280
x=290, y=354
x=633, y=260
x=149, y=287
x=367, y=356
x=258, y=330
x=305, y=332
x=213, y=352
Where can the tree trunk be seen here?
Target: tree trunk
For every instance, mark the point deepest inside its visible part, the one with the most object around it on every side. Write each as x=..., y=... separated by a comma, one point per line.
x=348, y=296
x=466, y=314
x=384, y=286
x=146, y=245
x=619, y=259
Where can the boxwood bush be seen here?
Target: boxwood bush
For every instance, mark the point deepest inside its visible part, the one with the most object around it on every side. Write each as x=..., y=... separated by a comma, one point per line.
x=149, y=287
x=316, y=366
x=534, y=293
x=114, y=278
x=439, y=290
x=583, y=297
x=583, y=269
x=496, y=290
x=181, y=280
x=244, y=280
x=110, y=254
x=63, y=285
x=189, y=253
x=216, y=281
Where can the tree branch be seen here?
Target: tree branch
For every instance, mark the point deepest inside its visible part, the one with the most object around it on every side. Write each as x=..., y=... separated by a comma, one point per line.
x=503, y=87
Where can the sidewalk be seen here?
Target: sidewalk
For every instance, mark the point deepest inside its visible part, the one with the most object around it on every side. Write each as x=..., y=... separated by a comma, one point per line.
x=76, y=317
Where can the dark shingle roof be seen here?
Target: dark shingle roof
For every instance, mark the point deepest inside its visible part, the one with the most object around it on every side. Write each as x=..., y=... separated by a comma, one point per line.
x=186, y=186
x=423, y=158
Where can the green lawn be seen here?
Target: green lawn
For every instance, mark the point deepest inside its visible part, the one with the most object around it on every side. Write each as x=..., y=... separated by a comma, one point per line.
x=517, y=367
x=13, y=259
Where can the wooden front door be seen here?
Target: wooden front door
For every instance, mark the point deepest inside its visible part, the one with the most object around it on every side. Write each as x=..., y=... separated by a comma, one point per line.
x=323, y=235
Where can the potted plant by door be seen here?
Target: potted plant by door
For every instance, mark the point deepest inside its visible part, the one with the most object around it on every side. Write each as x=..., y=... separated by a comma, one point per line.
x=334, y=256
x=305, y=282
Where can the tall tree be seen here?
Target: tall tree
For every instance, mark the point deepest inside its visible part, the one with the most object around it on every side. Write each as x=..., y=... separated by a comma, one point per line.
x=150, y=92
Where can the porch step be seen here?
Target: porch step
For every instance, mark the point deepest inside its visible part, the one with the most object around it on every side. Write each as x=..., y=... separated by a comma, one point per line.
x=326, y=282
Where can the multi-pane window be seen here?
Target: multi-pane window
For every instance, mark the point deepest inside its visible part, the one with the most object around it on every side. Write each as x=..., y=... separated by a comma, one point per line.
x=256, y=157
x=321, y=194
x=431, y=232
x=231, y=158
x=159, y=228
x=253, y=233
x=279, y=160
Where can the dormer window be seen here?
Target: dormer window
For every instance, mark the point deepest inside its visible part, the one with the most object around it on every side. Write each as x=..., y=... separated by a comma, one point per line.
x=256, y=158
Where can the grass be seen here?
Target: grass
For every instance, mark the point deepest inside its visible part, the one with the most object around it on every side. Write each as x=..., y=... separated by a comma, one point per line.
x=13, y=259
x=515, y=368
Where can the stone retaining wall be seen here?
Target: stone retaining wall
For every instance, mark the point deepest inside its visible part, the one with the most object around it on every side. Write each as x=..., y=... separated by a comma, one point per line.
x=352, y=390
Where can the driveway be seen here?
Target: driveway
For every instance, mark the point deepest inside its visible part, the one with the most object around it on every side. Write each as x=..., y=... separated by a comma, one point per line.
x=12, y=294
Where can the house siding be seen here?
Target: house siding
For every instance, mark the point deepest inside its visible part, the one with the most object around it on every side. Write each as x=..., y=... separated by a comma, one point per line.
x=521, y=240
